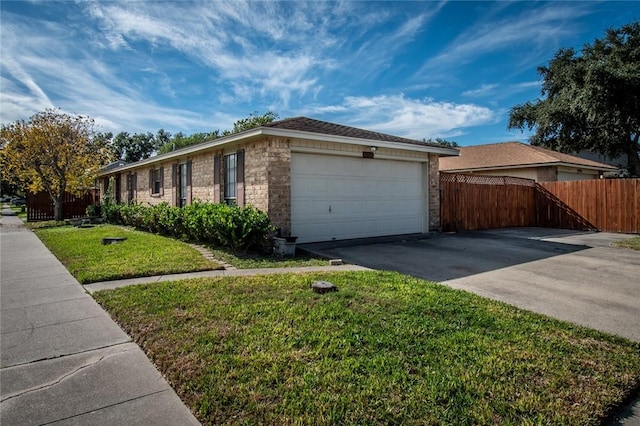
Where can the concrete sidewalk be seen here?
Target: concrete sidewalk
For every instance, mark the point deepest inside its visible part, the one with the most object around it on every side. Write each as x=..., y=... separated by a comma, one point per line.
x=62, y=359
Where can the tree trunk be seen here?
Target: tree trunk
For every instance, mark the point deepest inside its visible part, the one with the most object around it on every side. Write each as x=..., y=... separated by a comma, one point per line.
x=57, y=208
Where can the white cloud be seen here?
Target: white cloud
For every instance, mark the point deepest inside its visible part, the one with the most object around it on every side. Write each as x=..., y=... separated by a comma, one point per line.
x=412, y=118
x=483, y=90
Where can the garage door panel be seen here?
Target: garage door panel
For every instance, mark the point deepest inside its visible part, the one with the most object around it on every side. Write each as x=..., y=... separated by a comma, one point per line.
x=344, y=197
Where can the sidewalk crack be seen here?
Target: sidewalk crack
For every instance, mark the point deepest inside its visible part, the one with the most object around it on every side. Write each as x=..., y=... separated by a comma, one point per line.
x=59, y=380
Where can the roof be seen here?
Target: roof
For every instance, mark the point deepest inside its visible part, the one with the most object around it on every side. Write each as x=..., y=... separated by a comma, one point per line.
x=116, y=164
x=508, y=155
x=311, y=125
x=304, y=128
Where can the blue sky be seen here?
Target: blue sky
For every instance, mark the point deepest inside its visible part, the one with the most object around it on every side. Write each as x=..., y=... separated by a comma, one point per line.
x=413, y=69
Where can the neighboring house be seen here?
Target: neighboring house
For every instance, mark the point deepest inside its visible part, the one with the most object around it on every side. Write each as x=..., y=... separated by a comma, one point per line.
x=316, y=180
x=621, y=162
x=524, y=161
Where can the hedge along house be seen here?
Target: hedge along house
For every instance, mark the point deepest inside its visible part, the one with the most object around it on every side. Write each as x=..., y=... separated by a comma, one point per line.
x=316, y=180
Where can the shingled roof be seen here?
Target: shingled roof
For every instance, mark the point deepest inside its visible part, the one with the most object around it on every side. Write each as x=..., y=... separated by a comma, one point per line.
x=305, y=124
x=512, y=155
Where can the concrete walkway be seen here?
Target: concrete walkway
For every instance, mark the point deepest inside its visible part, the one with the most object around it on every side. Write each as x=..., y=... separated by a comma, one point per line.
x=62, y=359
x=109, y=285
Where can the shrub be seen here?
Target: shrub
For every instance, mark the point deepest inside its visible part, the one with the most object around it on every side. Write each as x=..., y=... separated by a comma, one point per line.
x=236, y=228
x=93, y=210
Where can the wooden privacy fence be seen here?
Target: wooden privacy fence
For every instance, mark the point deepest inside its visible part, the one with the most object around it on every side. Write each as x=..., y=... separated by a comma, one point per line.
x=611, y=205
x=471, y=202
x=40, y=206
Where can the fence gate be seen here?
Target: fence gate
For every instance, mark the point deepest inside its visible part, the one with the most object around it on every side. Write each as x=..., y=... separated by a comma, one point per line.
x=471, y=202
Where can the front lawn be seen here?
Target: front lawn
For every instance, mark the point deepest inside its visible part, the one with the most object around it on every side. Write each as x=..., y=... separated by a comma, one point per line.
x=256, y=261
x=385, y=349
x=142, y=254
x=632, y=243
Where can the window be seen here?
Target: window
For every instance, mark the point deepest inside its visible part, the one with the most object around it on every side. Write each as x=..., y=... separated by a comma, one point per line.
x=230, y=175
x=182, y=173
x=155, y=181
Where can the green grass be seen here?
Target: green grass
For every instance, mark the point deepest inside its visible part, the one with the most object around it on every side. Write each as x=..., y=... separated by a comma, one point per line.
x=264, y=261
x=142, y=254
x=632, y=243
x=385, y=349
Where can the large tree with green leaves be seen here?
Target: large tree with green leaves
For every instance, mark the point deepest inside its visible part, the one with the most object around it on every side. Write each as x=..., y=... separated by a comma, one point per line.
x=590, y=99
x=54, y=152
x=253, y=120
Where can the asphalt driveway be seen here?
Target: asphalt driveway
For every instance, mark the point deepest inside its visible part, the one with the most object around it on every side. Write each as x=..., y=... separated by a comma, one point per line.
x=571, y=275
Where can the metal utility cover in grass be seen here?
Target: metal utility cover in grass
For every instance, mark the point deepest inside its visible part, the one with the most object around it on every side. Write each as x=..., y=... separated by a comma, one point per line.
x=112, y=240
x=322, y=287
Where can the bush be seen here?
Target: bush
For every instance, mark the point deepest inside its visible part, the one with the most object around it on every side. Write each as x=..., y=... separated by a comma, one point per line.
x=236, y=228
x=93, y=210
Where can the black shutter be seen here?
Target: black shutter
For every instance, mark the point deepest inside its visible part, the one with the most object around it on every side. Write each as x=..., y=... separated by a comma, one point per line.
x=175, y=185
x=188, y=194
x=161, y=181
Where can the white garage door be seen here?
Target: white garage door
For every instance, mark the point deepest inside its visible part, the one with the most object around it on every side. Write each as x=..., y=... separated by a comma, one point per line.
x=336, y=198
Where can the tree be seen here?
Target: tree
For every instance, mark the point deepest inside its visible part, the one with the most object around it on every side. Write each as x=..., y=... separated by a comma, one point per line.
x=136, y=147
x=179, y=140
x=54, y=152
x=445, y=143
x=252, y=121
x=591, y=99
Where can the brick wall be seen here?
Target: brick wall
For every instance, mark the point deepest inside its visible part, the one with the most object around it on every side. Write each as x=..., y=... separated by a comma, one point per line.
x=256, y=185
x=279, y=182
x=434, y=193
x=202, y=176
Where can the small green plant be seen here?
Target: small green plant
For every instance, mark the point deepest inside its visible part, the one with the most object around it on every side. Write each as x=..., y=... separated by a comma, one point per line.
x=93, y=210
x=110, y=208
x=631, y=243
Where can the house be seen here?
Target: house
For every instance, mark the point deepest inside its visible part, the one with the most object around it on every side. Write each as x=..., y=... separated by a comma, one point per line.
x=524, y=161
x=316, y=180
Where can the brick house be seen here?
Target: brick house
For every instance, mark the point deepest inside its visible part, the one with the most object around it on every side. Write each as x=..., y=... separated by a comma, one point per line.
x=521, y=160
x=316, y=180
